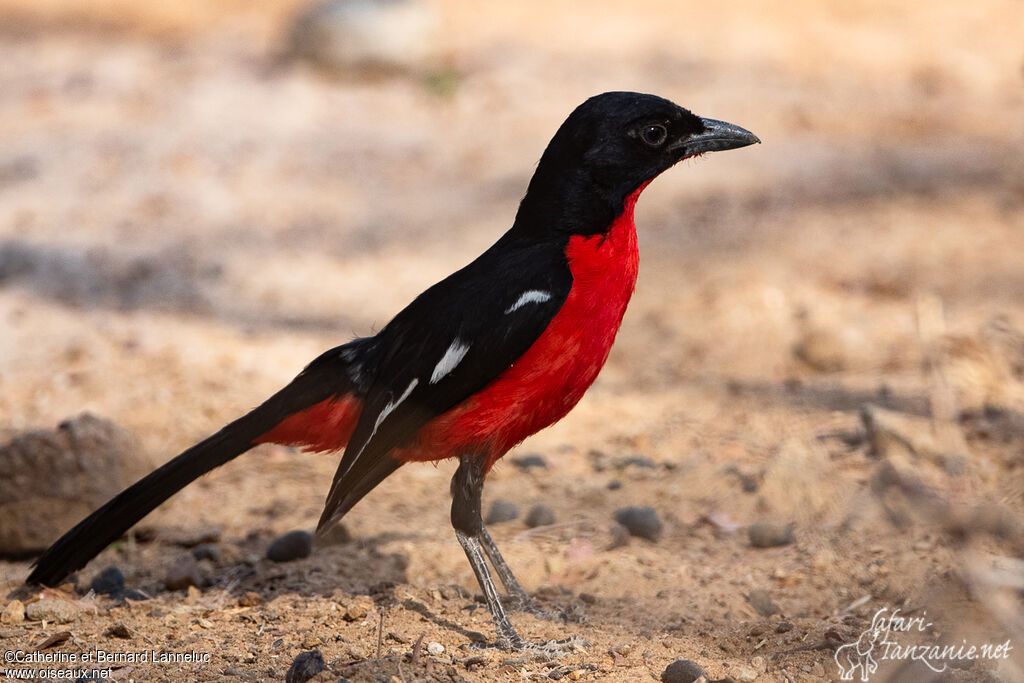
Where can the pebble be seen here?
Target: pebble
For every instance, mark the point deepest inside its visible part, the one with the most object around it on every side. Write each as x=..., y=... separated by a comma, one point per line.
x=640, y=521
x=744, y=674
x=540, y=515
x=305, y=666
x=110, y=581
x=620, y=536
x=614, y=485
x=206, y=551
x=761, y=601
x=770, y=535
x=14, y=613
x=357, y=607
x=182, y=574
x=52, y=610
x=528, y=462
x=501, y=511
x=293, y=545
x=337, y=534
x=118, y=630
x=682, y=671
x=250, y=599
x=783, y=627
x=435, y=649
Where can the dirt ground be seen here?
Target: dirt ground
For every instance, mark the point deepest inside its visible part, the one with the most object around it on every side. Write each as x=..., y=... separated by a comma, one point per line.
x=199, y=220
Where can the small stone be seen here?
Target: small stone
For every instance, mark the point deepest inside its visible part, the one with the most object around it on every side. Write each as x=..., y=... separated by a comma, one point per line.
x=640, y=521
x=118, y=630
x=620, y=536
x=14, y=613
x=110, y=581
x=682, y=671
x=293, y=545
x=783, y=627
x=206, y=551
x=528, y=462
x=357, y=607
x=435, y=649
x=744, y=674
x=305, y=666
x=250, y=599
x=539, y=515
x=614, y=485
x=182, y=574
x=336, y=534
x=770, y=535
x=52, y=610
x=501, y=511
x=762, y=603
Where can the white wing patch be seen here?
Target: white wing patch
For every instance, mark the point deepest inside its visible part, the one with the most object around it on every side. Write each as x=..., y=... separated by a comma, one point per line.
x=451, y=358
x=531, y=296
x=390, y=407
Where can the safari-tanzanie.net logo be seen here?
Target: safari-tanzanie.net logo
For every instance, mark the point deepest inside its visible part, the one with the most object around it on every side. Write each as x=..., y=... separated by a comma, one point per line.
x=889, y=639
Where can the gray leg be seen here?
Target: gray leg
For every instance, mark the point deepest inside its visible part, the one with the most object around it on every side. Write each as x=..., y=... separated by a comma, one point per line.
x=508, y=639
x=467, y=486
x=517, y=597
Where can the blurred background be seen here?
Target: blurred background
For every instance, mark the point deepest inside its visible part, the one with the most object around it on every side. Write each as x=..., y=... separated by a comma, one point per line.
x=827, y=337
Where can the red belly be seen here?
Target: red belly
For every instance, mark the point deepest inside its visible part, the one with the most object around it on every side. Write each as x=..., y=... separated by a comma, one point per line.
x=538, y=390
x=554, y=373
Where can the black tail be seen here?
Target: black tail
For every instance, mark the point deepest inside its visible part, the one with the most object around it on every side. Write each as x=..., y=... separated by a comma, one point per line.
x=325, y=377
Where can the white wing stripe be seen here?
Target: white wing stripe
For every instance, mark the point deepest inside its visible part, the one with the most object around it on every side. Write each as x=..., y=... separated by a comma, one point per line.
x=532, y=296
x=389, y=408
x=451, y=358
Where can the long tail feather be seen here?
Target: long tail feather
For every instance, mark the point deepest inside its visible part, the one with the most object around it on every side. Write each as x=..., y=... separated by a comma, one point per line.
x=327, y=377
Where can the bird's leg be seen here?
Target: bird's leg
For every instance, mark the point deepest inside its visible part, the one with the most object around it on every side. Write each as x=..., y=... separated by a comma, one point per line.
x=467, y=486
x=517, y=598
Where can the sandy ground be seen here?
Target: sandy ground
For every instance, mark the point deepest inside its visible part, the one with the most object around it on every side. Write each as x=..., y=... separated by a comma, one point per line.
x=200, y=220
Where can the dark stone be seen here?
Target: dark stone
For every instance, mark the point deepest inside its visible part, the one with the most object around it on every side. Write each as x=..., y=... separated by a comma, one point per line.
x=540, y=515
x=305, y=666
x=770, y=535
x=501, y=511
x=110, y=581
x=640, y=521
x=528, y=462
x=614, y=485
x=682, y=671
x=762, y=603
x=294, y=545
x=206, y=551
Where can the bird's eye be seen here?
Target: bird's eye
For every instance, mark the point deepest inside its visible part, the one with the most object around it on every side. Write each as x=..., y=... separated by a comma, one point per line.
x=654, y=134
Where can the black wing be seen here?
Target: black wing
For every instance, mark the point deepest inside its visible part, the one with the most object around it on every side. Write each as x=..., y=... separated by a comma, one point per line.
x=448, y=344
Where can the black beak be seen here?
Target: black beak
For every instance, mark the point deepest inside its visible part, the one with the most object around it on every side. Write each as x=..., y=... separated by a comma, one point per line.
x=717, y=136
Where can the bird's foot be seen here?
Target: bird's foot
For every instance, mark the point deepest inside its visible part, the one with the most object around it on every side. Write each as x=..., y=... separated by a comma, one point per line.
x=552, y=649
x=528, y=651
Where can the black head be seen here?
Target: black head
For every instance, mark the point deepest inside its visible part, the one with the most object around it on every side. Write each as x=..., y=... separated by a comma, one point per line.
x=609, y=147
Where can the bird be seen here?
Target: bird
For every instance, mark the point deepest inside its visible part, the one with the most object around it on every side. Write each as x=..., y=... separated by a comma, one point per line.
x=488, y=356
